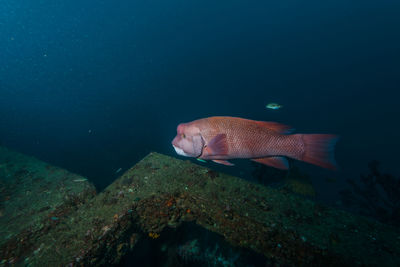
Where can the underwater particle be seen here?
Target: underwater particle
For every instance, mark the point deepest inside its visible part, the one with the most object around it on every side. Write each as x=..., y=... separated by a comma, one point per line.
x=274, y=106
x=154, y=235
x=164, y=247
x=119, y=169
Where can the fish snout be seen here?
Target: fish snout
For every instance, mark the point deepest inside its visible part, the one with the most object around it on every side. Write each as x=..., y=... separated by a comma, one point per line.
x=178, y=146
x=175, y=141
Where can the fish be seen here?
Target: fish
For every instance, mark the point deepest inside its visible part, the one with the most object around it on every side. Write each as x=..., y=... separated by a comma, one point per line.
x=274, y=106
x=80, y=180
x=223, y=138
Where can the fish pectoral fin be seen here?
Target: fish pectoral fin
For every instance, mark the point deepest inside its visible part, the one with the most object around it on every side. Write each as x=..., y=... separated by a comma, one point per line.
x=224, y=162
x=276, y=162
x=218, y=145
x=277, y=127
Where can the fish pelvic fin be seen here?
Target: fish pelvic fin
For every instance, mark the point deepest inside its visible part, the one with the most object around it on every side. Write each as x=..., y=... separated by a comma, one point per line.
x=224, y=162
x=319, y=150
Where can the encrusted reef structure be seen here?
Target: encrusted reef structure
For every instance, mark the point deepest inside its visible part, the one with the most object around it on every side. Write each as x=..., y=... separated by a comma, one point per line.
x=62, y=223
x=34, y=198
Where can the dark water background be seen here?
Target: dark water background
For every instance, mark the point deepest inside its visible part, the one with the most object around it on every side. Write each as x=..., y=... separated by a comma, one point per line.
x=93, y=86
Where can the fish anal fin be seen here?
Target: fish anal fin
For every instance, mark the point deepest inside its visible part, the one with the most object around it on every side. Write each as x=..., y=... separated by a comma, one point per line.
x=276, y=162
x=277, y=127
x=224, y=162
x=218, y=145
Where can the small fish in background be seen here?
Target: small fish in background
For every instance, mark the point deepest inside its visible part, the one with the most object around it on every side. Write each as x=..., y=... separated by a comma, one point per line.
x=80, y=180
x=119, y=169
x=222, y=138
x=274, y=106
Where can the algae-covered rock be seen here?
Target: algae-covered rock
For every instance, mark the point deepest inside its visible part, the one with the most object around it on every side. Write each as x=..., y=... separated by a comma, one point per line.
x=35, y=197
x=161, y=193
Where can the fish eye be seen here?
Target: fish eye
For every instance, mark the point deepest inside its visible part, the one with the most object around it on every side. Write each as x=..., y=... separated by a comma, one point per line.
x=183, y=135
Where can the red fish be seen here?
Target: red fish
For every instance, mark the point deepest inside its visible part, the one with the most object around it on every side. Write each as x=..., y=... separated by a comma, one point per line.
x=222, y=138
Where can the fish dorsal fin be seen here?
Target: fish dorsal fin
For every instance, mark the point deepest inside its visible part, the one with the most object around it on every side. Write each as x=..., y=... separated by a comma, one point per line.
x=276, y=162
x=218, y=145
x=277, y=127
x=224, y=162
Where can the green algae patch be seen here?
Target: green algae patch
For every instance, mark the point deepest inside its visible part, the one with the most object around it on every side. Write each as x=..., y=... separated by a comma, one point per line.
x=162, y=192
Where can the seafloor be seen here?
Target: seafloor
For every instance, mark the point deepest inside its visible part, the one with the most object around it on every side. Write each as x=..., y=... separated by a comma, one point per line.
x=51, y=217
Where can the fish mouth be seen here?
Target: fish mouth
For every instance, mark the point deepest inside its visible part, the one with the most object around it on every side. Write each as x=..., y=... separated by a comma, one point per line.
x=180, y=151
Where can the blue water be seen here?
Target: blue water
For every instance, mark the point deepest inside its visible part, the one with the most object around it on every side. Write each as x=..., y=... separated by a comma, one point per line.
x=95, y=86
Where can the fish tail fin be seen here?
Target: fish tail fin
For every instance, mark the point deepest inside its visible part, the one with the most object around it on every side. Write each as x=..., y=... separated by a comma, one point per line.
x=319, y=150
